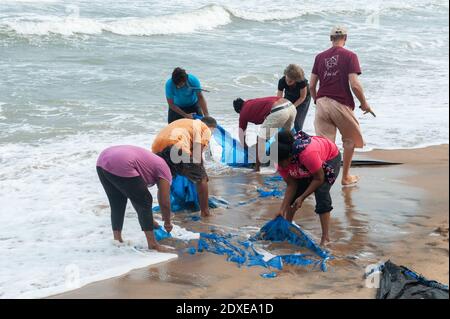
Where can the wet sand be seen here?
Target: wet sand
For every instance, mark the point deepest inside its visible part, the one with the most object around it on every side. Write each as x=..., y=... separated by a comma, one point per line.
x=396, y=212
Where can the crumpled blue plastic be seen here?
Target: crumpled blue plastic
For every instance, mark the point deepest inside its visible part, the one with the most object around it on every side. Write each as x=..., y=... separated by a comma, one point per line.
x=281, y=230
x=271, y=193
x=184, y=197
x=277, y=230
x=272, y=189
x=161, y=234
x=269, y=275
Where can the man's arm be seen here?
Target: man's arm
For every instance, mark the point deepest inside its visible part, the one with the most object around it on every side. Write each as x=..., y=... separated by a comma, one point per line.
x=164, y=203
x=313, y=86
x=202, y=102
x=358, y=90
x=242, y=138
x=279, y=93
x=177, y=109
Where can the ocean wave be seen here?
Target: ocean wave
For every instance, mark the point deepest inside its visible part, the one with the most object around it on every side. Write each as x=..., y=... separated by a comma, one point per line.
x=205, y=18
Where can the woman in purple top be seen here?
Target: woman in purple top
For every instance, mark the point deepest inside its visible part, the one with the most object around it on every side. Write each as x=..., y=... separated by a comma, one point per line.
x=126, y=172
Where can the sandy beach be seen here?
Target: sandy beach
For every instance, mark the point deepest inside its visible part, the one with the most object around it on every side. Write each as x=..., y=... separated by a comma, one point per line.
x=397, y=212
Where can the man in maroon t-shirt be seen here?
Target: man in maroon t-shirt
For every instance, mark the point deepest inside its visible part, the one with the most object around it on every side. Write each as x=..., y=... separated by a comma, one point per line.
x=272, y=112
x=337, y=70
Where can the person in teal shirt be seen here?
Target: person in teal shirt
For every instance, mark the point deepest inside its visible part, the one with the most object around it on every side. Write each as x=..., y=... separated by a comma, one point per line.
x=184, y=96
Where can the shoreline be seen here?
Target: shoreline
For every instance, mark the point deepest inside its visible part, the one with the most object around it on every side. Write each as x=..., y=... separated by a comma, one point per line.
x=396, y=212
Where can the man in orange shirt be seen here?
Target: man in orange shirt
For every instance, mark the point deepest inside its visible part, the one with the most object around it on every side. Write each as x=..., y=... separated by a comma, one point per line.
x=181, y=144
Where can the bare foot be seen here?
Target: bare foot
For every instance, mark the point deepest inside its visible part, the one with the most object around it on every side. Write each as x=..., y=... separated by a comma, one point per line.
x=206, y=214
x=324, y=241
x=162, y=249
x=350, y=180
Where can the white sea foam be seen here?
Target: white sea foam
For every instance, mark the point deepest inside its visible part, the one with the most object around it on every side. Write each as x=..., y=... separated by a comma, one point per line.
x=192, y=19
x=54, y=214
x=206, y=18
x=61, y=109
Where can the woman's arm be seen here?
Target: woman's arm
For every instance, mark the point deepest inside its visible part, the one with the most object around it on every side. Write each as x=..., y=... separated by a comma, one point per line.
x=164, y=203
x=302, y=98
x=318, y=179
x=279, y=93
x=289, y=195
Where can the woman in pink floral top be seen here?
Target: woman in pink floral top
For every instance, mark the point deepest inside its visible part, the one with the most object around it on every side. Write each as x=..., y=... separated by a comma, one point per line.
x=308, y=164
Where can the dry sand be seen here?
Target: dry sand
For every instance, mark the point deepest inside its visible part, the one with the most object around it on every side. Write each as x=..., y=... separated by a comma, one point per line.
x=396, y=212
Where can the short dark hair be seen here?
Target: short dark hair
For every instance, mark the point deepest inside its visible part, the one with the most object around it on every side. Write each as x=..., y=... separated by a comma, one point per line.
x=179, y=76
x=238, y=104
x=209, y=121
x=285, y=141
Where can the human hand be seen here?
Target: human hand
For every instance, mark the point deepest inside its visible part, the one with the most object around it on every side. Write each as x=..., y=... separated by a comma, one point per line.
x=168, y=226
x=298, y=203
x=190, y=116
x=367, y=109
x=279, y=213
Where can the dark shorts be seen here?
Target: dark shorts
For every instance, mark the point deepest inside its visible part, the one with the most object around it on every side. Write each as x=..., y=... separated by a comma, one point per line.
x=322, y=194
x=173, y=116
x=195, y=172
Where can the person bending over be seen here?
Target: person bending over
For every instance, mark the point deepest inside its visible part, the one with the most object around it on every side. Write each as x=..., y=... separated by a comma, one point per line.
x=126, y=172
x=308, y=164
x=272, y=112
x=184, y=96
x=182, y=144
x=294, y=87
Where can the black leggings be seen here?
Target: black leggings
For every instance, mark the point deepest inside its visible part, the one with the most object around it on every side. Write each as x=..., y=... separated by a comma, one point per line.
x=119, y=189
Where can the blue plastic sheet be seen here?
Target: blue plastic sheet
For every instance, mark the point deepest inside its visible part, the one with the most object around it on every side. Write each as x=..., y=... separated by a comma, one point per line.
x=281, y=230
x=184, y=197
x=233, y=154
x=161, y=234
x=270, y=193
x=271, y=189
x=243, y=253
x=269, y=275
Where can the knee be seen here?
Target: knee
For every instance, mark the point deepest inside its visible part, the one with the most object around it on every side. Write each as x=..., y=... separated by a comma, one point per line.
x=348, y=144
x=324, y=205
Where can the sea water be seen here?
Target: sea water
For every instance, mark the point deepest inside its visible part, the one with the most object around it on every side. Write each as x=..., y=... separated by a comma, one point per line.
x=78, y=76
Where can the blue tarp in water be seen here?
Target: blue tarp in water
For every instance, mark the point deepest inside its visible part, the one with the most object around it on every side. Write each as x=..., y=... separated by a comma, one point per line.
x=277, y=230
x=271, y=189
x=184, y=197
x=233, y=154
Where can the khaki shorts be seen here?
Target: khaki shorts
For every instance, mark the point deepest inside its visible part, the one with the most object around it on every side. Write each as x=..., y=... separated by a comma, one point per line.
x=332, y=115
x=281, y=119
